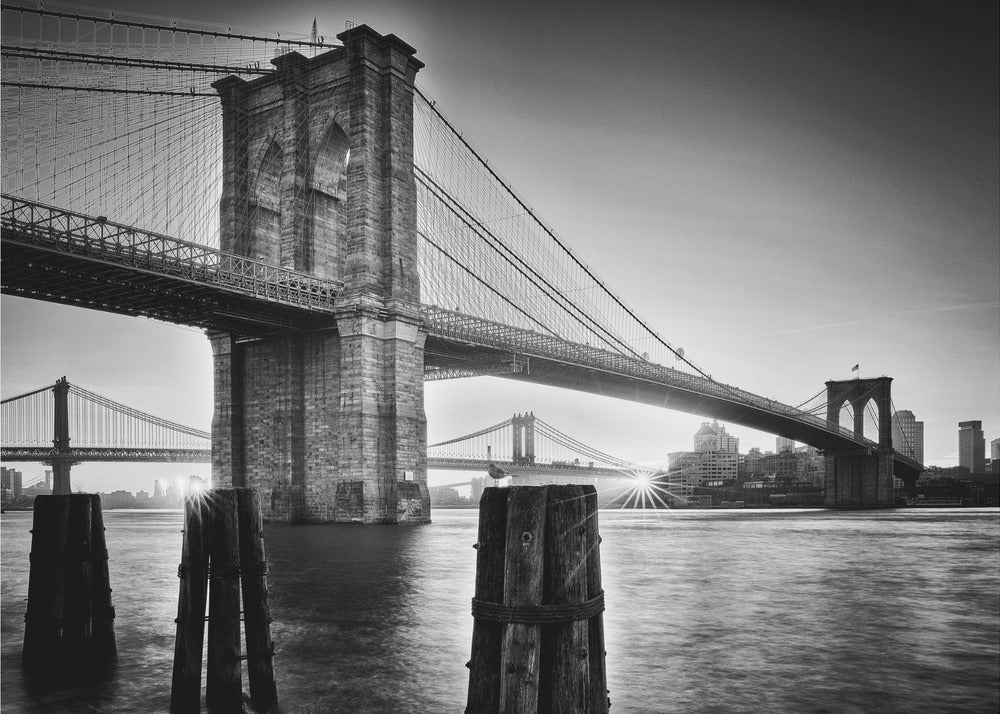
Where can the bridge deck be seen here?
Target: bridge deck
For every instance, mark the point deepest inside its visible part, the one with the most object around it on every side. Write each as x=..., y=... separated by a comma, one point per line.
x=66, y=257
x=70, y=258
x=106, y=455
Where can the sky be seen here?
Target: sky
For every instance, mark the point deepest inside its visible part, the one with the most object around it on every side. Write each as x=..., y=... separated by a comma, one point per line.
x=784, y=190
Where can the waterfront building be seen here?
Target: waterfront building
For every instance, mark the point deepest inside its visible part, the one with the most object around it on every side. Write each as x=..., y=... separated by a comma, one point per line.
x=783, y=466
x=908, y=435
x=811, y=465
x=715, y=460
x=995, y=456
x=713, y=437
x=971, y=446
x=783, y=444
x=12, y=482
x=477, y=484
x=750, y=463
x=682, y=473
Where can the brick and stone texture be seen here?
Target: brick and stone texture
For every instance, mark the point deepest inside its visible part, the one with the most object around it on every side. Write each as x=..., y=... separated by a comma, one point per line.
x=328, y=424
x=860, y=478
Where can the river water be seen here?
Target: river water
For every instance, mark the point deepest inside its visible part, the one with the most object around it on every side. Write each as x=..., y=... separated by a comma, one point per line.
x=707, y=611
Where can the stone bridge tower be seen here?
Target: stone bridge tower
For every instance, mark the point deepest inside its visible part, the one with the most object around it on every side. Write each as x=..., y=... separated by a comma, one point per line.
x=327, y=423
x=523, y=435
x=863, y=477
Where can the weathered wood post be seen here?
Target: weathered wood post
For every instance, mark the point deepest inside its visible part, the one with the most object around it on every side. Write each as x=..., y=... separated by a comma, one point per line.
x=43, y=620
x=105, y=645
x=538, y=641
x=223, y=547
x=256, y=610
x=185, y=691
x=79, y=598
x=69, y=622
x=224, y=685
x=484, y=666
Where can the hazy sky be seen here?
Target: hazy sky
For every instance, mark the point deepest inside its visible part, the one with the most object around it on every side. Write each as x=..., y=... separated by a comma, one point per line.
x=783, y=189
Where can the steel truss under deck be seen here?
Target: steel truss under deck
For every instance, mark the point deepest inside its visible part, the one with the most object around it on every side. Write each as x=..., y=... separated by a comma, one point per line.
x=61, y=256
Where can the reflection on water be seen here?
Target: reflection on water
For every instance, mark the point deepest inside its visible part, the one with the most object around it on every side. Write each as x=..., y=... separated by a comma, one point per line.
x=708, y=611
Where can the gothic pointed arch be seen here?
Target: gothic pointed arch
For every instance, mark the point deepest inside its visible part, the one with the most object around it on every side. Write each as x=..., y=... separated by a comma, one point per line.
x=265, y=207
x=328, y=184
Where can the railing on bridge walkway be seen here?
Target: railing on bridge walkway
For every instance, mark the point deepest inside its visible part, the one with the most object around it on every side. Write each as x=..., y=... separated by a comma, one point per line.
x=65, y=235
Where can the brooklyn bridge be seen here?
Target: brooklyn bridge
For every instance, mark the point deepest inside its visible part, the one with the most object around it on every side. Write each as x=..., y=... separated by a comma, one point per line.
x=340, y=242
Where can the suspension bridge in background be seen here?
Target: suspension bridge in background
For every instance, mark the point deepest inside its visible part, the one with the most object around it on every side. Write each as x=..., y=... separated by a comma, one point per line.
x=526, y=445
x=63, y=424
x=340, y=242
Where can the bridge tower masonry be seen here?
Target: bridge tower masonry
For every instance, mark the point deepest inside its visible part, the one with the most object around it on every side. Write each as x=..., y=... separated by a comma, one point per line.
x=862, y=478
x=523, y=434
x=327, y=423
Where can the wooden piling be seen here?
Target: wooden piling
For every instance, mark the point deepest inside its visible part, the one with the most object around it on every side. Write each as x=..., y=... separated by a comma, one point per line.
x=104, y=644
x=224, y=685
x=79, y=580
x=565, y=655
x=484, y=665
x=43, y=620
x=520, y=655
x=598, y=683
x=63, y=633
x=256, y=610
x=551, y=643
x=185, y=691
x=223, y=549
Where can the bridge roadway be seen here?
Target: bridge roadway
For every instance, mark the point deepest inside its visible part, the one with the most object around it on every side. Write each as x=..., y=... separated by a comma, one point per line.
x=70, y=258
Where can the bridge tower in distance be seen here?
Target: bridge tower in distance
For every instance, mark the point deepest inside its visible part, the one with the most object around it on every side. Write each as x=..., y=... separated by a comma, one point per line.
x=523, y=435
x=862, y=477
x=328, y=423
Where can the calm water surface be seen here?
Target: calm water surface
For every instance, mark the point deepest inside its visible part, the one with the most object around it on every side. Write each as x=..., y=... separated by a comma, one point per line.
x=707, y=611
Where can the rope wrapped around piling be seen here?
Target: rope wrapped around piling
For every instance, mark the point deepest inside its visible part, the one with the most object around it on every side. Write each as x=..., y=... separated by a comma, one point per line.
x=537, y=614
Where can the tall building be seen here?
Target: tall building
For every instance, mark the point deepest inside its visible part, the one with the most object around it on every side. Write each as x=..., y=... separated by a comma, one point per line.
x=971, y=446
x=995, y=456
x=11, y=481
x=908, y=435
x=783, y=444
x=715, y=459
x=713, y=437
x=477, y=483
x=750, y=463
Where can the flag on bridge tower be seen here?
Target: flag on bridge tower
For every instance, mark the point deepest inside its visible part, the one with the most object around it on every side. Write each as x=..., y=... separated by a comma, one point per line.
x=314, y=33
x=855, y=368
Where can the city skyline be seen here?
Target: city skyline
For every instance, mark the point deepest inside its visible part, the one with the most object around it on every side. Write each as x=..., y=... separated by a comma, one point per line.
x=735, y=163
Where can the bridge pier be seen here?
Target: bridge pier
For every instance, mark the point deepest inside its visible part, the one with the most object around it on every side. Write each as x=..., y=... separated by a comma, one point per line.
x=328, y=424
x=859, y=479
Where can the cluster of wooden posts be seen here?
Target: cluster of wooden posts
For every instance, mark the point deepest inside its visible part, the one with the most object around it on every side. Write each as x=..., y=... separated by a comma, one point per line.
x=223, y=548
x=538, y=636
x=537, y=641
x=69, y=625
